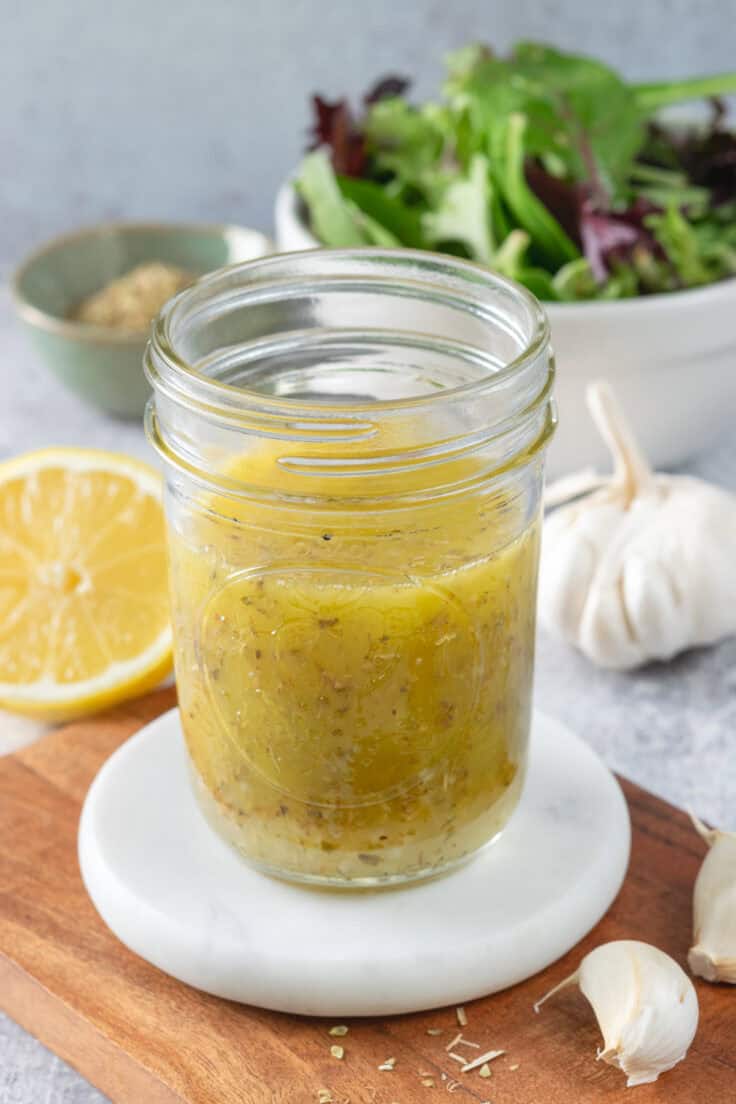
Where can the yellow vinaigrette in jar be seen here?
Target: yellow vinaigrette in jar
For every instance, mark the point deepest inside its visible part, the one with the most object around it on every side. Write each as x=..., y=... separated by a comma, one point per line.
x=355, y=690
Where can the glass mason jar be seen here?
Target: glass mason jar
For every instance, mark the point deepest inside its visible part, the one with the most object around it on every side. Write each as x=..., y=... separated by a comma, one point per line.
x=354, y=445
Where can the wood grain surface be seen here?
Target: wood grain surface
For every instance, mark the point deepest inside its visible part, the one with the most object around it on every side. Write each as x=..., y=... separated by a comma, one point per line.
x=144, y=1038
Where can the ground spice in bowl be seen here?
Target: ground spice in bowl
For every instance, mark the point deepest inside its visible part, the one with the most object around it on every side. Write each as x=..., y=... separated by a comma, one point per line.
x=131, y=301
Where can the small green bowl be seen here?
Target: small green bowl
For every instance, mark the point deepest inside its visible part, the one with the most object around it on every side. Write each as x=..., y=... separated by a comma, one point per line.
x=101, y=365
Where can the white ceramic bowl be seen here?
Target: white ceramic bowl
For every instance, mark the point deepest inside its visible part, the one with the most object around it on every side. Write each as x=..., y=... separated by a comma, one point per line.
x=671, y=358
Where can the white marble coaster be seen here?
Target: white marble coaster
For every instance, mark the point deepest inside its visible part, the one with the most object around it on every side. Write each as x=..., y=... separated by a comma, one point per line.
x=177, y=895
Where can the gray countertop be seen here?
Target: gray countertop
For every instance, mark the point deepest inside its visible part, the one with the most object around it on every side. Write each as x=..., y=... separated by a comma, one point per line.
x=670, y=728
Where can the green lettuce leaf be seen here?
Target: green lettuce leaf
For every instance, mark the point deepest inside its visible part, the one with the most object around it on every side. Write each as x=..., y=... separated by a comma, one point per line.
x=333, y=219
x=464, y=213
x=581, y=118
x=680, y=243
x=401, y=221
x=407, y=141
x=547, y=234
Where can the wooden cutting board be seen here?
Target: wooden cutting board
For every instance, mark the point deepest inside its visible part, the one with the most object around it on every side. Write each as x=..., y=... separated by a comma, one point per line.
x=144, y=1038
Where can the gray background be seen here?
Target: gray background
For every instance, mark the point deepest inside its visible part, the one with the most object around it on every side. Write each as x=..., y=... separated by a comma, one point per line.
x=197, y=110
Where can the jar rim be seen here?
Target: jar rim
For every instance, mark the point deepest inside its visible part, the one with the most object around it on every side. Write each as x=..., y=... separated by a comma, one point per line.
x=168, y=371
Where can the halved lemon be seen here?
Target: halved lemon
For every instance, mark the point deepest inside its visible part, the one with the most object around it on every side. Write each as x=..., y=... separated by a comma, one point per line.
x=84, y=612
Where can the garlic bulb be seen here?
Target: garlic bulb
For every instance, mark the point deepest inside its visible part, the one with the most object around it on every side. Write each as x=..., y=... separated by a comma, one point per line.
x=641, y=567
x=713, y=955
x=645, y=1005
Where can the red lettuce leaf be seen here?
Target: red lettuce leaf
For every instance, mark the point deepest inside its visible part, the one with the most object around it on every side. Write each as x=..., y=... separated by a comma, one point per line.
x=606, y=237
x=707, y=157
x=562, y=198
x=334, y=125
x=386, y=89
x=610, y=237
x=710, y=161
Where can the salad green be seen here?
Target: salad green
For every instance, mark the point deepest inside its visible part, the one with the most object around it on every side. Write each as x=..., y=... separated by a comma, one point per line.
x=545, y=166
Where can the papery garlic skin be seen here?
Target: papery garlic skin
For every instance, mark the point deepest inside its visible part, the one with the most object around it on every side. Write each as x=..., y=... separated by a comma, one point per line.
x=645, y=1005
x=713, y=954
x=642, y=568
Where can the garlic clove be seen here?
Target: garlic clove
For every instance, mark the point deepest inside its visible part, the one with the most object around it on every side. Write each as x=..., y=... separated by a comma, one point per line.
x=713, y=954
x=568, y=579
x=645, y=1005
x=571, y=575
x=663, y=623
x=642, y=567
